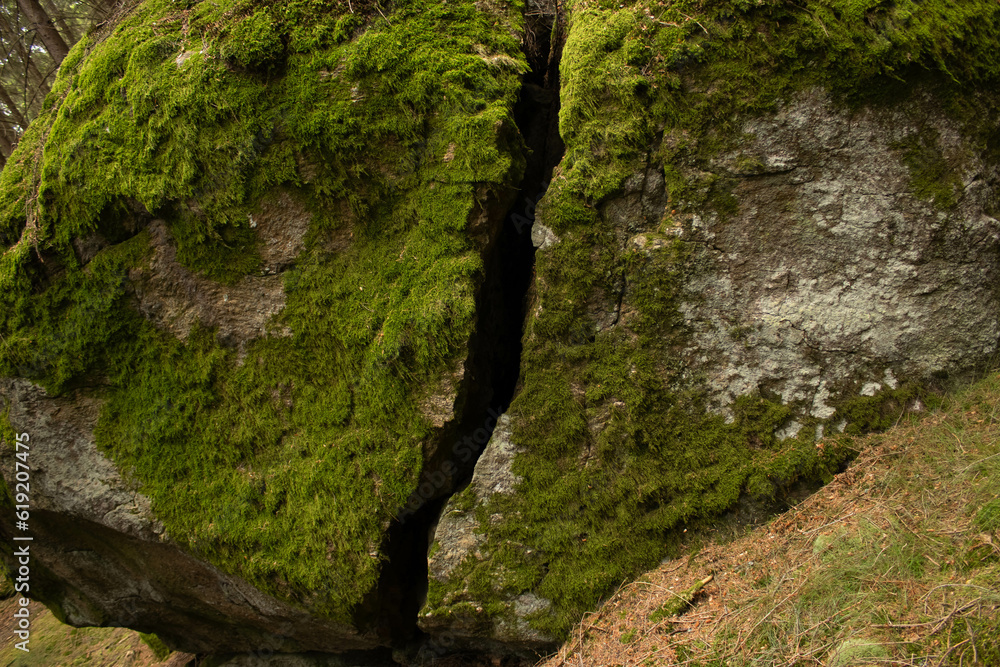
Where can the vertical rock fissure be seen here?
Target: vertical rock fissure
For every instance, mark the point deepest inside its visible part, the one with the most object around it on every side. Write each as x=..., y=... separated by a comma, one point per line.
x=494, y=360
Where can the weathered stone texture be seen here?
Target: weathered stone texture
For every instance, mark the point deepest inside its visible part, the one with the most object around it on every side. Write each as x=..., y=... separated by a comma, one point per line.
x=834, y=278
x=813, y=273
x=456, y=538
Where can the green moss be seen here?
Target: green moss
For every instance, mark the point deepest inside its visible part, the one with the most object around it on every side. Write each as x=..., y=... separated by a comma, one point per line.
x=283, y=461
x=156, y=645
x=621, y=451
x=865, y=414
x=226, y=254
x=595, y=509
x=932, y=177
x=67, y=331
x=54, y=643
x=982, y=634
x=601, y=72
x=678, y=603
x=8, y=437
x=255, y=42
x=194, y=117
x=722, y=199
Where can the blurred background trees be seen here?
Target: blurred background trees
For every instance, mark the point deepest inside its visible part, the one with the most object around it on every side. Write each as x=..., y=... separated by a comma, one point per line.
x=35, y=36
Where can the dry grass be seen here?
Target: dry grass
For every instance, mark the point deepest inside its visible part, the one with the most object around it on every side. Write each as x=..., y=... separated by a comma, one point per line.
x=53, y=644
x=897, y=561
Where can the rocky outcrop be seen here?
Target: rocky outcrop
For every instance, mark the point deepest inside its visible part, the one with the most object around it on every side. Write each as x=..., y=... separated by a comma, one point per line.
x=260, y=306
x=709, y=309
x=240, y=316
x=828, y=281
x=456, y=537
x=834, y=278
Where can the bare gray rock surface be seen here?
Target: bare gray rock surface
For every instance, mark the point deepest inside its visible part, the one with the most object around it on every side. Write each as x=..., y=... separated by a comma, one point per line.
x=175, y=298
x=834, y=278
x=68, y=474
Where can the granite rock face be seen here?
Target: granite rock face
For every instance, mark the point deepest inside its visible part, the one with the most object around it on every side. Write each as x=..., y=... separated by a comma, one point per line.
x=73, y=478
x=456, y=537
x=834, y=278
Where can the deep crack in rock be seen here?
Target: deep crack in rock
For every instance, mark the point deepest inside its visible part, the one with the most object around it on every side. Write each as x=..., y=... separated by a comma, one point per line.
x=491, y=372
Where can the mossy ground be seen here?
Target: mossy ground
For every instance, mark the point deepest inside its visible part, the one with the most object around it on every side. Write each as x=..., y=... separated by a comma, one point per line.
x=283, y=461
x=897, y=560
x=659, y=85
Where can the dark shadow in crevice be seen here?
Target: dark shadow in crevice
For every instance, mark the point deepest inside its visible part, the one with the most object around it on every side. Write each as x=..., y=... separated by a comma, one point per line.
x=493, y=363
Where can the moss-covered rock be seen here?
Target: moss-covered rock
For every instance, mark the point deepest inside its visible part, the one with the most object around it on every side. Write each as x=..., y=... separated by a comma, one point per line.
x=252, y=239
x=253, y=236
x=773, y=221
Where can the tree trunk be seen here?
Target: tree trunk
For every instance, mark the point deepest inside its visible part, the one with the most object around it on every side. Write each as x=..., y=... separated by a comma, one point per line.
x=12, y=111
x=69, y=35
x=42, y=23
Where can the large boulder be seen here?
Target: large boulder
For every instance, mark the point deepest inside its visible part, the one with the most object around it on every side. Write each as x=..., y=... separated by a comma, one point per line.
x=99, y=556
x=773, y=223
x=259, y=306
x=245, y=252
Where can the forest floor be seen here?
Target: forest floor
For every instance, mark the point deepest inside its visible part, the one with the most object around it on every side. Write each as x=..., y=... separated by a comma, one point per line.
x=53, y=644
x=896, y=562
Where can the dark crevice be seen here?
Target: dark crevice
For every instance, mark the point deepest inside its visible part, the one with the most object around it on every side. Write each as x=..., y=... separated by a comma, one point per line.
x=493, y=363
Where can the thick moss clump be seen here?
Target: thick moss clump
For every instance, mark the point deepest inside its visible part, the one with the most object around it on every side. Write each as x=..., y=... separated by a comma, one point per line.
x=620, y=451
x=283, y=460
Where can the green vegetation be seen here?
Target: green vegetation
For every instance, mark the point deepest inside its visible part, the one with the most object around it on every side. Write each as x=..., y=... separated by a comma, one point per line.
x=53, y=643
x=891, y=563
x=285, y=460
x=865, y=414
x=667, y=86
x=858, y=652
x=915, y=572
x=156, y=645
x=679, y=603
x=931, y=176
